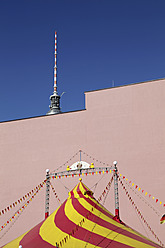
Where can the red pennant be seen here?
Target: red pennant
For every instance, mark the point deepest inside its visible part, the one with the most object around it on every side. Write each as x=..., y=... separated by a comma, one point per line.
x=136, y=186
x=156, y=200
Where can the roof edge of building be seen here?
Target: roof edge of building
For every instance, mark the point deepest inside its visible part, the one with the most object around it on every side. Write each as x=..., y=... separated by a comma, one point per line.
x=41, y=116
x=125, y=85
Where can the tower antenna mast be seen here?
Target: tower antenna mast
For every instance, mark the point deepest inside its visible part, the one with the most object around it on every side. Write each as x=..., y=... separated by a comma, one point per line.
x=55, y=98
x=55, y=62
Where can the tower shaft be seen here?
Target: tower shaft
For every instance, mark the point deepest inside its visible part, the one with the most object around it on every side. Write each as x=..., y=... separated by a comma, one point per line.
x=55, y=98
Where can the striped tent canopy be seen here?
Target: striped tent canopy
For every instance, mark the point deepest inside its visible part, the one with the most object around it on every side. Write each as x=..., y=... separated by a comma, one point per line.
x=81, y=222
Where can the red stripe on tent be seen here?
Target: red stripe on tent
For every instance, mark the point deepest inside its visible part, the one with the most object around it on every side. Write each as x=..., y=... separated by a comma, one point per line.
x=32, y=239
x=82, y=211
x=67, y=226
x=106, y=213
x=94, y=204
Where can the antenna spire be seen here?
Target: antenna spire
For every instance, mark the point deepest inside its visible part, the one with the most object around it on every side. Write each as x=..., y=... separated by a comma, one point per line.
x=55, y=63
x=55, y=98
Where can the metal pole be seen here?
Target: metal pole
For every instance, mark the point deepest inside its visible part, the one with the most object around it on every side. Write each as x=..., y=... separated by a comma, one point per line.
x=80, y=155
x=47, y=193
x=116, y=190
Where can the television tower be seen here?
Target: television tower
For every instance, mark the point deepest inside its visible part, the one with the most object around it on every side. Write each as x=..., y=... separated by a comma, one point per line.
x=55, y=98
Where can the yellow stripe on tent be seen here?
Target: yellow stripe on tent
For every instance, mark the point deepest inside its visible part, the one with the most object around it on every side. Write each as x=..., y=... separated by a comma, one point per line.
x=75, y=217
x=52, y=234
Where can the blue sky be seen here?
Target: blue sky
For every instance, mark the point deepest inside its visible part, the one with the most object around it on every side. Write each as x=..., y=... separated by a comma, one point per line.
x=98, y=41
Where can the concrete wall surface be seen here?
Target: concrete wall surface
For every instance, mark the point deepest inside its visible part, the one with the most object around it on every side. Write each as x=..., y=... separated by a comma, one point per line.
x=125, y=123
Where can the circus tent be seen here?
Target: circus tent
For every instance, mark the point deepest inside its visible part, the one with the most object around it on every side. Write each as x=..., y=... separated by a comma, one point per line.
x=81, y=222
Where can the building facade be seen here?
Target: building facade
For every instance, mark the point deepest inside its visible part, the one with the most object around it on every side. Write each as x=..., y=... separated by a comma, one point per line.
x=124, y=123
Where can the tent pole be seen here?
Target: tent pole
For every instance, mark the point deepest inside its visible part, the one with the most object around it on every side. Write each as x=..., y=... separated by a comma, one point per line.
x=47, y=193
x=115, y=177
x=80, y=155
x=116, y=190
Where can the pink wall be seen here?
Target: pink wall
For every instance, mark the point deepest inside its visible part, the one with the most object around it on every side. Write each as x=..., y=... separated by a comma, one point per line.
x=126, y=124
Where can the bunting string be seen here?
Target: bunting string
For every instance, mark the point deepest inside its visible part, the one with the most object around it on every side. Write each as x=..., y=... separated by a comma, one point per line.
x=20, y=200
x=81, y=174
x=143, y=199
x=94, y=159
x=20, y=210
x=106, y=191
x=11, y=224
x=139, y=213
x=71, y=158
x=53, y=189
x=96, y=184
x=141, y=190
x=84, y=153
